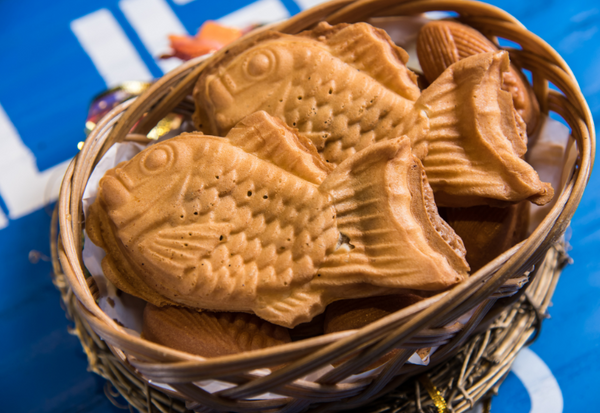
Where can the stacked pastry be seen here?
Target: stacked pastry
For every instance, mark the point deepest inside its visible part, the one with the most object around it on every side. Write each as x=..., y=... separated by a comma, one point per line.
x=315, y=178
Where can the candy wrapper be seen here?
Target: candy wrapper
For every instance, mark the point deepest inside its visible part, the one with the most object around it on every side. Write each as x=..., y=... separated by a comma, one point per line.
x=211, y=37
x=106, y=101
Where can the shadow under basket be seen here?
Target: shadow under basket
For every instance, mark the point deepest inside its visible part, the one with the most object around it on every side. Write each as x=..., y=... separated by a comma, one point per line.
x=470, y=361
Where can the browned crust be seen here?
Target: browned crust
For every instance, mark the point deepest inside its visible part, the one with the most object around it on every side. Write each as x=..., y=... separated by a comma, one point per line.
x=492, y=140
x=309, y=329
x=307, y=145
x=487, y=231
x=324, y=31
x=545, y=196
x=115, y=265
x=209, y=334
x=353, y=314
x=442, y=43
x=440, y=236
x=301, y=141
x=93, y=227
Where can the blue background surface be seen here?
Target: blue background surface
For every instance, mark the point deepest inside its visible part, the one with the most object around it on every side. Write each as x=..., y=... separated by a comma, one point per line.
x=46, y=85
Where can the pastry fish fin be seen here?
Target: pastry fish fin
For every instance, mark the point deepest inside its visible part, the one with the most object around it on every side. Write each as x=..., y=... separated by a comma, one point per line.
x=115, y=265
x=392, y=235
x=473, y=148
x=269, y=138
x=369, y=50
x=299, y=307
x=93, y=225
x=177, y=249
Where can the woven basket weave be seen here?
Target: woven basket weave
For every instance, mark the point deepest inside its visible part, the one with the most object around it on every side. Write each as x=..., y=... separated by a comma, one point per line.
x=426, y=324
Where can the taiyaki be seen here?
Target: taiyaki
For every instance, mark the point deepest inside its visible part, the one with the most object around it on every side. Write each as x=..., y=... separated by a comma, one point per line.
x=347, y=87
x=209, y=334
x=354, y=314
x=486, y=231
x=442, y=43
x=473, y=149
x=257, y=222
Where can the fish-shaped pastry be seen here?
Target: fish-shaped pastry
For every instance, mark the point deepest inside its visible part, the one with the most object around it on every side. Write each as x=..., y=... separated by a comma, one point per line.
x=347, y=87
x=473, y=149
x=209, y=334
x=441, y=43
x=257, y=222
x=487, y=231
x=354, y=314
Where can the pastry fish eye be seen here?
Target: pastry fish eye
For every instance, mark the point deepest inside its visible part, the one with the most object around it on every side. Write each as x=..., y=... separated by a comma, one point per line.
x=259, y=64
x=157, y=159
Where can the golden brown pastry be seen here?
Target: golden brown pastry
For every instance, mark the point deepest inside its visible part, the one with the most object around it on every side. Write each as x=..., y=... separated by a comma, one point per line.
x=386, y=212
x=473, y=149
x=487, y=232
x=209, y=334
x=241, y=224
x=354, y=314
x=346, y=87
x=443, y=43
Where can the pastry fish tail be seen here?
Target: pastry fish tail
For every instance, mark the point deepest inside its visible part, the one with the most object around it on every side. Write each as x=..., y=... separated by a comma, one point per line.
x=300, y=306
x=391, y=233
x=474, y=144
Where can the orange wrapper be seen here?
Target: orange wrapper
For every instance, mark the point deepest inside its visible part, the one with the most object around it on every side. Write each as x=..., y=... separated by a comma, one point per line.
x=211, y=36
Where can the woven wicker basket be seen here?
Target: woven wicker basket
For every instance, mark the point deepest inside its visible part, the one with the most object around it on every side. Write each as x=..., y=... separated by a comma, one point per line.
x=144, y=365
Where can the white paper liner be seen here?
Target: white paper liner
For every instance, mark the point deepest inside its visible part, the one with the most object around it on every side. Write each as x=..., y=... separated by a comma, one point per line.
x=125, y=309
x=552, y=148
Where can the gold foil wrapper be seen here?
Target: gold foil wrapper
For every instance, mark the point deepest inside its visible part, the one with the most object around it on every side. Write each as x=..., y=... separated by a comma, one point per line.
x=165, y=125
x=434, y=393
